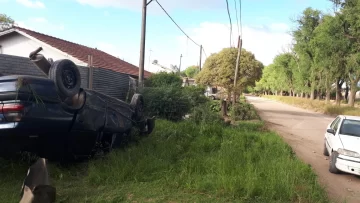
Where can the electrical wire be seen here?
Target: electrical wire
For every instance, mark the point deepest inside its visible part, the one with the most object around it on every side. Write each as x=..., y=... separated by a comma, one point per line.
x=228, y=11
x=204, y=52
x=176, y=23
x=237, y=18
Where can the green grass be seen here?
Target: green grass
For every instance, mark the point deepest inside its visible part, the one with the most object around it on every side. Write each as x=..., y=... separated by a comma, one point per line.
x=317, y=105
x=185, y=162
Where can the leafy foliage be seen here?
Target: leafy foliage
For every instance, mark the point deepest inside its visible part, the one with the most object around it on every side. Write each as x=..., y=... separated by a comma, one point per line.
x=192, y=71
x=164, y=79
x=6, y=22
x=324, y=56
x=219, y=70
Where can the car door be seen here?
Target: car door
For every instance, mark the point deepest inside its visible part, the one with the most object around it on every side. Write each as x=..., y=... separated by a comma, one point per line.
x=331, y=138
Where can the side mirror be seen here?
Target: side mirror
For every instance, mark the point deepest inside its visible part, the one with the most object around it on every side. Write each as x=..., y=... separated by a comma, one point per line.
x=331, y=131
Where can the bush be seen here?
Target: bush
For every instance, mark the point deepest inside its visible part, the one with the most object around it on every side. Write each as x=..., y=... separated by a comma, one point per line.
x=243, y=111
x=164, y=79
x=166, y=102
x=195, y=95
x=215, y=106
x=204, y=114
x=172, y=103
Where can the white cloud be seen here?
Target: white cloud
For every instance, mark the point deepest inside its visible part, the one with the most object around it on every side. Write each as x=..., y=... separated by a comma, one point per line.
x=31, y=4
x=264, y=41
x=168, y=4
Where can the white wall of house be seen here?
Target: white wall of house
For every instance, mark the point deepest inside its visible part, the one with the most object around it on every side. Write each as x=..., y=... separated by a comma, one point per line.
x=19, y=45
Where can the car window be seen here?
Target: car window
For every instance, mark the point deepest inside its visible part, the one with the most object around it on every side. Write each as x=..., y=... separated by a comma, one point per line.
x=333, y=123
x=336, y=125
x=350, y=127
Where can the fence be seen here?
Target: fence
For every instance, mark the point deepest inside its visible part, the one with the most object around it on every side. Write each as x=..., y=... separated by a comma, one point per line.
x=106, y=81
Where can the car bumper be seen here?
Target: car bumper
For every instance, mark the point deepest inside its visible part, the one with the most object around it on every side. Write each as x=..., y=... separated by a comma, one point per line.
x=348, y=164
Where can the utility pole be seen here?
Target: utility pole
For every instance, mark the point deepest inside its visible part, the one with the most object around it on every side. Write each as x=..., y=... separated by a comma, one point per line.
x=180, y=63
x=237, y=68
x=200, y=57
x=142, y=43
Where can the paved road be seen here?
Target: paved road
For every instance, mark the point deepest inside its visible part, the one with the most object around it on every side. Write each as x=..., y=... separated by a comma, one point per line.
x=304, y=131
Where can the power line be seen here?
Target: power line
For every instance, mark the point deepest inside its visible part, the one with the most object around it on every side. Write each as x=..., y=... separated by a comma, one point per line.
x=227, y=5
x=237, y=19
x=176, y=23
x=204, y=52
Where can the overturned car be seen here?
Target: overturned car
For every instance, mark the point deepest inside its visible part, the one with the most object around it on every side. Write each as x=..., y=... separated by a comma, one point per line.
x=55, y=118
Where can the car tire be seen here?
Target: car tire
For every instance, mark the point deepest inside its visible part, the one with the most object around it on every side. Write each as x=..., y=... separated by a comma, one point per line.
x=137, y=104
x=66, y=77
x=325, y=151
x=332, y=163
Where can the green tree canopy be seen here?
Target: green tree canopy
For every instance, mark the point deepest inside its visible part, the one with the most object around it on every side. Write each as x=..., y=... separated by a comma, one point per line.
x=219, y=69
x=192, y=71
x=5, y=22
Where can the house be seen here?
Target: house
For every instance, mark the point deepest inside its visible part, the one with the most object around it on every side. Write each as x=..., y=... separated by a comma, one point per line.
x=188, y=81
x=111, y=75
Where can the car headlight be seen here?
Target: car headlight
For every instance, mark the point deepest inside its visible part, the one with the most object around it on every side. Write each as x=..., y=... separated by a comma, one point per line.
x=348, y=153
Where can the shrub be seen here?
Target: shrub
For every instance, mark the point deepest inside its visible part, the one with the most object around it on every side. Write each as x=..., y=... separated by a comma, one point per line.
x=172, y=103
x=243, y=111
x=204, y=114
x=215, y=106
x=164, y=79
x=195, y=95
x=166, y=102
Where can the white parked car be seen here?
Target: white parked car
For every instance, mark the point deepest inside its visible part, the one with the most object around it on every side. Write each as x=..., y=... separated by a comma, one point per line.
x=342, y=144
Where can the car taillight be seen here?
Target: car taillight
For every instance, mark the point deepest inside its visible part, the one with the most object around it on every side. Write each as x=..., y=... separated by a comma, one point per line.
x=13, y=112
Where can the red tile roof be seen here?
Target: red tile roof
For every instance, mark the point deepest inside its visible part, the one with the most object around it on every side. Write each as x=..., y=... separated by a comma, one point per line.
x=100, y=58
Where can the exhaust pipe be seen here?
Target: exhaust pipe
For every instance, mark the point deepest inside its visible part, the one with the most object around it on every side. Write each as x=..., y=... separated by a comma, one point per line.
x=40, y=61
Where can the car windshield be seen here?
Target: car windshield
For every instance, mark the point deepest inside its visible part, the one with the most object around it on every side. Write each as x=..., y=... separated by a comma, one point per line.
x=350, y=127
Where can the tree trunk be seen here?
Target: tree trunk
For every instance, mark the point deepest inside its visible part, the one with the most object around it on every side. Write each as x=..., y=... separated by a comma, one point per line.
x=328, y=93
x=312, y=94
x=223, y=108
x=338, y=91
x=302, y=95
x=281, y=92
x=229, y=97
x=353, y=90
x=347, y=93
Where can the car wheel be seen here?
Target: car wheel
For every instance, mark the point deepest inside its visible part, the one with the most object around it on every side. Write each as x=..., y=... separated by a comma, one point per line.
x=332, y=163
x=325, y=151
x=66, y=77
x=137, y=104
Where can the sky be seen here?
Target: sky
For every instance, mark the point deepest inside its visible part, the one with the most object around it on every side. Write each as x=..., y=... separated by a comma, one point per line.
x=114, y=26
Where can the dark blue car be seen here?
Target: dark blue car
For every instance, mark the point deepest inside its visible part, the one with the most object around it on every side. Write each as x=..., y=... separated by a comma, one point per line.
x=55, y=118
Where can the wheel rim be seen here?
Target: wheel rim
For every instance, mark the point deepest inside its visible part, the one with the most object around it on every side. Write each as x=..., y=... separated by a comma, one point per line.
x=69, y=78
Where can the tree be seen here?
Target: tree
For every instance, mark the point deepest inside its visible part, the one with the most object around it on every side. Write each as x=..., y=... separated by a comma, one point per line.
x=219, y=69
x=303, y=36
x=192, y=71
x=5, y=22
x=331, y=50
